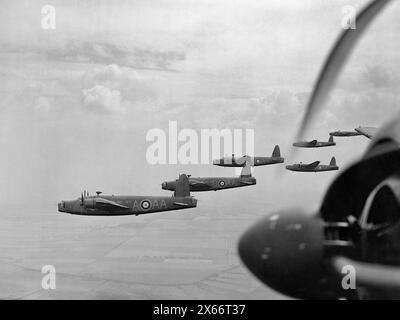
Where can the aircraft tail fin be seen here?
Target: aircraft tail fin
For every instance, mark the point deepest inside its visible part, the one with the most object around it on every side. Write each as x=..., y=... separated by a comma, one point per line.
x=182, y=187
x=333, y=162
x=277, y=152
x=246, y=171
x=330, y=139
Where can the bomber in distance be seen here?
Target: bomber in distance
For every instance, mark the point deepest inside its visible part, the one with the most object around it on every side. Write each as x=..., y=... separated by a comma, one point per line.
x=216, y=183
x=315, y=143
x=253, y=161
x=340, y=133
x=313, y=167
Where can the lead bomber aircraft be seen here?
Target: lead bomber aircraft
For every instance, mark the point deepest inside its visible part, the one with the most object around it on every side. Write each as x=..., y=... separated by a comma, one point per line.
x=130, y=205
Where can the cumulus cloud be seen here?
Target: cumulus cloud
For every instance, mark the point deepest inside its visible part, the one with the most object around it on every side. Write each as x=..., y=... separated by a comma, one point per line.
x=132, y=84
x=100, y=99
x=275, y=108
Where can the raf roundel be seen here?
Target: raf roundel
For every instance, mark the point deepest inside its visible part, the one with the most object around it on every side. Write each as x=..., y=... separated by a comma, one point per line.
x=222, y=183
x=145, y=204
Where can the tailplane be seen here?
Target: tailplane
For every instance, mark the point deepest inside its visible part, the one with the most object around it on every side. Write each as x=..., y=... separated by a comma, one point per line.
x=246, y=171
x=182, y=187
x=333, y=162
x=330, y=139
x=277, y=152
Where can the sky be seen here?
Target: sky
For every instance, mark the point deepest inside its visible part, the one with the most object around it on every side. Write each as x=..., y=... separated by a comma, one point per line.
x=77, y=102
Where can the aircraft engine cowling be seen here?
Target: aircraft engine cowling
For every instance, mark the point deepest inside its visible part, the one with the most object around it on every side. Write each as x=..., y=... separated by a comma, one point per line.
x=89, y=203
x=286, y=252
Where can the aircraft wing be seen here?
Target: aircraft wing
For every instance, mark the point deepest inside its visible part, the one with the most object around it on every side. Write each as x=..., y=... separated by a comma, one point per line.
x=312, y=165
x=243, y=160
x=369, y=132
x=110, y=205
x=374, y=275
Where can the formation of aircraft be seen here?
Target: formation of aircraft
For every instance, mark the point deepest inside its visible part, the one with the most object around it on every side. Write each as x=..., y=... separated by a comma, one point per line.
x=253, y=161
x=313, y=167
x=296, y=253
x=216, y=183
x=100, y=205
x=357, y=226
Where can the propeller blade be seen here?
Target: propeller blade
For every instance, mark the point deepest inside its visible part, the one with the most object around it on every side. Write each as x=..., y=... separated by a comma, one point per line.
x=336, y=60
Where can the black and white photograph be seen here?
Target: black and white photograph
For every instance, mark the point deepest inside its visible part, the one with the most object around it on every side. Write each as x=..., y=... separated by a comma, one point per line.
x=199, y=150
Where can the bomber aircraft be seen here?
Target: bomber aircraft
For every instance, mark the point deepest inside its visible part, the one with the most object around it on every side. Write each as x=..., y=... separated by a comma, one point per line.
x=100, y=205
x=344, y=133
x=315, y=143
x=349, y=249
x=216, y=183
x=313, y=167
x=253, y=161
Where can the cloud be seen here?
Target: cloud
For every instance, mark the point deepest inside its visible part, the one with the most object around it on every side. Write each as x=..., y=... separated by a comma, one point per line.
x=101, y=52
x=132, y=84
x=102, y=100
x=42, y=105
x=370, y=77
x=379, y=77
x=276, y=108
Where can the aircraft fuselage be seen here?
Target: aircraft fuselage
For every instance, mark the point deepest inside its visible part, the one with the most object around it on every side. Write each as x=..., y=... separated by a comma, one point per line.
x=213, y=183
x=310, y=144
x=253, y=161
x=305, y=168
x=125, y=205
x=344, y=133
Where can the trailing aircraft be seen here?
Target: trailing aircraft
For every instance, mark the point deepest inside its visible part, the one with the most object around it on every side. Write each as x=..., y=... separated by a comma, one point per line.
x=344, y=133
x=315, y=143
x=216, y=183
x=313, y=167
x=253, y=161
